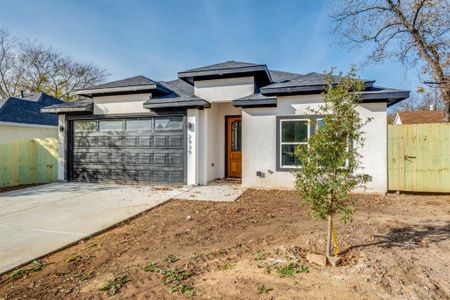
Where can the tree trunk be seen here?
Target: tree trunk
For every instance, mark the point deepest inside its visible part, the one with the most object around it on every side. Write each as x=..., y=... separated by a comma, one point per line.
x=329, y=233
x=445, y=93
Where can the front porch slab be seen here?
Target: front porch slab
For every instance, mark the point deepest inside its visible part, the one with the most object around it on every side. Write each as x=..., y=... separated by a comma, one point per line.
x=216, y=190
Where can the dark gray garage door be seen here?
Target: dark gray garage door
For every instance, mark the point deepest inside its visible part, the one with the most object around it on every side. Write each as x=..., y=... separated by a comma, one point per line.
x=129, y=150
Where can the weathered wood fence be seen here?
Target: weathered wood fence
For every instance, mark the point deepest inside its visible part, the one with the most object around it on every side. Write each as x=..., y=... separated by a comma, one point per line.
x=30, y=161
x=419, y=158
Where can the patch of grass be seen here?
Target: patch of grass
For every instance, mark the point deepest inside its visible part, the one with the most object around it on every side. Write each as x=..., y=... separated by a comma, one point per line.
x=262, y=289
x=291, y=269
x=84, y=276
x=182, y=288
x=225, y=266
x=114, y=286
x=261, y=256
x=171, y=258
x=90, y=245
x=73, y=258
x=196, y=255
x=36, y=265
x=173, y=275
x=152, y=267
x=173, y=278
x=18, y=274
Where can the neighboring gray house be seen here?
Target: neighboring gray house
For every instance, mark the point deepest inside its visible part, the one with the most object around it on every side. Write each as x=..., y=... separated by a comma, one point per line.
x=232, y=119
x=21, y=117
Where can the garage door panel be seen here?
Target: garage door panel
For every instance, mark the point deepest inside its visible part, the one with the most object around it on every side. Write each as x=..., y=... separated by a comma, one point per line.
x=130, y=155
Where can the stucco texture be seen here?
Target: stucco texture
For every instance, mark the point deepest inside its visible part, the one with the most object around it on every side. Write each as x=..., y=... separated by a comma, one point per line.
x=259, y=143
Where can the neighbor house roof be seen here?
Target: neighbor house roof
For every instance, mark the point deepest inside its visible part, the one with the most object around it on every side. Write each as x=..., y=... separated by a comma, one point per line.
x=132, y=84
x=27, y=110
x=227, y=69
x=420, y=117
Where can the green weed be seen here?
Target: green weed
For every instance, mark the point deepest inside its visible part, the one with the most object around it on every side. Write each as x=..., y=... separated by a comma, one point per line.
x=36, y=265
x=291, y=269
x=84, y=276
x=73, y=258
x=261, y=256
x=114, y=286
x=262, y=289
x=182, y=288
x=171, y=259
x=152, y=267
x=225, y=266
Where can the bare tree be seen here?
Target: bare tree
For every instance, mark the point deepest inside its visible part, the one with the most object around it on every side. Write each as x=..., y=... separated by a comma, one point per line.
x=414, y=31
x=38, y=68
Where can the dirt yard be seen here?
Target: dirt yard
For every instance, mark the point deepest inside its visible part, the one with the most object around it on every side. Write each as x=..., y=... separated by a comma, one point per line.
x=397, y=247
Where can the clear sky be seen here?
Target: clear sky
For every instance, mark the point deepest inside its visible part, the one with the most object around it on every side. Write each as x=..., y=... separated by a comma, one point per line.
x=157, y=38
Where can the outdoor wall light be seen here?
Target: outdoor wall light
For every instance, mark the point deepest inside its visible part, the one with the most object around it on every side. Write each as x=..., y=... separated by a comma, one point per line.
x=61, y=128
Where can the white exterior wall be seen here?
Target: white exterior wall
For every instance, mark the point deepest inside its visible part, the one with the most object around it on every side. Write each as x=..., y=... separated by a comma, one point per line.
x=122, y=104
x=62, y=144
x=224, y=90
x=25, y=131
x=214, y=140
x=193, y=146
x=259, y=143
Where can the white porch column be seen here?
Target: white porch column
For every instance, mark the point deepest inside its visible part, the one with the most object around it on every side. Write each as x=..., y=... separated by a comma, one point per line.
x=62, y=171
x=193, y=149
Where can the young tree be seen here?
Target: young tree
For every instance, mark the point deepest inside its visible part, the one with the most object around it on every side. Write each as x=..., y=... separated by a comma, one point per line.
x=330, y=163
x=415, y=32
x=38, y=68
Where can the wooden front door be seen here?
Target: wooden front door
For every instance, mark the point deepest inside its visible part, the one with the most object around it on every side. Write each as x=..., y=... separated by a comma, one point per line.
x=234, y=162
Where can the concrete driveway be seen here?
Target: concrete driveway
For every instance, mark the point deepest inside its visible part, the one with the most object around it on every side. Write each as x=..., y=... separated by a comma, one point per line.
x=39, y=220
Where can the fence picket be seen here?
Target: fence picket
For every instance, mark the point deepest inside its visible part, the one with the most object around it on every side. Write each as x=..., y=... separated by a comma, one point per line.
x=419, y=158
x=30, y=161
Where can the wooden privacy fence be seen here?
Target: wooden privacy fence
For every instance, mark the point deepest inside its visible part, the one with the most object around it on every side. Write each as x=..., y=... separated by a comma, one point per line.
x=30, y=161
x=419, y=158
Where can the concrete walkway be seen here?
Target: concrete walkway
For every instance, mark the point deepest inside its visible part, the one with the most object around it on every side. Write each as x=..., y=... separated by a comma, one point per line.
x=39, y=220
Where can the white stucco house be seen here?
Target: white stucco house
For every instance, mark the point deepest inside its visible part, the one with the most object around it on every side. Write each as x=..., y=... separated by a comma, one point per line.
x=21, y=117
x=232, y=119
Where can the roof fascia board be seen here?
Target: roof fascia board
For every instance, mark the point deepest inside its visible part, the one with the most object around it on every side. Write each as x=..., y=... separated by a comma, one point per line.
x=271, y=102
x=59, y=110
x=94, y=91
x=174, y=104
x=222, y=71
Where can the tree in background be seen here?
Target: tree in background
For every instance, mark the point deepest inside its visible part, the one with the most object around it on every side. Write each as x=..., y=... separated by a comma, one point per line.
x=415, y=32
x=30, y=66
x=329, y=163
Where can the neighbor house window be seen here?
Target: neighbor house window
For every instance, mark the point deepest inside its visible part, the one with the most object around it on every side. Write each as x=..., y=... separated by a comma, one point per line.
x=293, y=132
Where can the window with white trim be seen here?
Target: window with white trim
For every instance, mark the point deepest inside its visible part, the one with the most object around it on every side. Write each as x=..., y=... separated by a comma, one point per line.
x=293, y=132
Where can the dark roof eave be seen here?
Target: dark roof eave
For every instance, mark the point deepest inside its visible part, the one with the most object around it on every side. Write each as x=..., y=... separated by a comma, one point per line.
x=189, y=76
x=313, y=88
x=222, y=71
x=177, y=104
x=69, y=107
x=248, y=103
x=401, y=95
